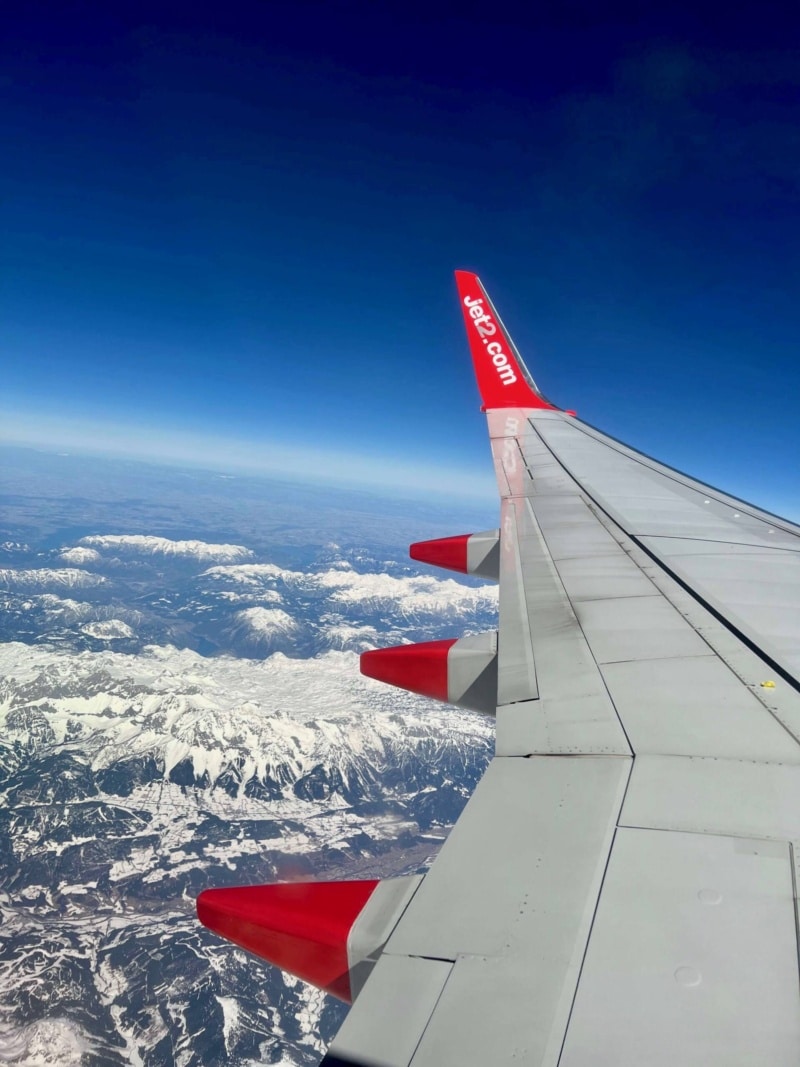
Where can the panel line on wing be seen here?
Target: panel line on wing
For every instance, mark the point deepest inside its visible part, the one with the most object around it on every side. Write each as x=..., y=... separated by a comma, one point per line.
x=716, y=541
x=793, y=854
x=516, y=666
x=533, y=828
x=574, y=685
x=560, y=1040
x=702, y=794
x=667, y=472
x=586, y=642
x=644, y=498
x=598, y=898
x=747, y=663
x=369, y=1034
x=703, y=709
x=695, y=593
x=759, y=650
x=688, y=960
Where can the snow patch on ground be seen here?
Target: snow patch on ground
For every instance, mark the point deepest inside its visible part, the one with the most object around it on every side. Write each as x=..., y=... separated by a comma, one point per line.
x=266, y=621
x=414, y=595
x=80, y=556
x=411, y=595
x=254, y=575
x=110, y=630
x=342, y=635
x=258, y=715
x=59, y=1042
x=265, y=596
x=41, y=577
x=263, y=629
x=64, y=609
x=230, y=1025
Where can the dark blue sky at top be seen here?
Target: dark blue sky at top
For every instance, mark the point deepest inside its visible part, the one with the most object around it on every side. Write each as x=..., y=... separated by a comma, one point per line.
x=242, y=224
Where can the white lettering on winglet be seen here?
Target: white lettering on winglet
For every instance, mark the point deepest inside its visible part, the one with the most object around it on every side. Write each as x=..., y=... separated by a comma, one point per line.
x=487, y=328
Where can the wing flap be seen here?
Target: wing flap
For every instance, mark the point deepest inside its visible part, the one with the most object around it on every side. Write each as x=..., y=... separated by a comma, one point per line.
x=693, y=957
x=741, y=798
x=569, y=711
x=531, y=824
x=487, y=906
x=391, y=1014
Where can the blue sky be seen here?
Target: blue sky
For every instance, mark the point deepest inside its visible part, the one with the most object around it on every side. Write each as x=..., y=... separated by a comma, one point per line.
x=232, y=238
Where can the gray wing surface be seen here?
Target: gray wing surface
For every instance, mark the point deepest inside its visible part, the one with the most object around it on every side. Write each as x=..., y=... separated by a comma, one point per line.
x=621, y=887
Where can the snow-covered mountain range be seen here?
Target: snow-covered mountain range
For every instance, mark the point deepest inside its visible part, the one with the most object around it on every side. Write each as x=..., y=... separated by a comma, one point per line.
x=34, y=579
x=193, y=715
x=157, y=591
x=147, y=544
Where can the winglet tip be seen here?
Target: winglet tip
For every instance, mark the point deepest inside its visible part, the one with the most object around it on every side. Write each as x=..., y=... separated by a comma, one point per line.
x=503, y=380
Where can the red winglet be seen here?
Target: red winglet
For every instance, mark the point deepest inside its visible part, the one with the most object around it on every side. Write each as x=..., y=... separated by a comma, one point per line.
x=448, y=552
x=302, y=927
x=503, y=380
x=421, y=668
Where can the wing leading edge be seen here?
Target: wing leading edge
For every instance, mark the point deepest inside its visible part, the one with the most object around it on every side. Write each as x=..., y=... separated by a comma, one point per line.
x=621, y=886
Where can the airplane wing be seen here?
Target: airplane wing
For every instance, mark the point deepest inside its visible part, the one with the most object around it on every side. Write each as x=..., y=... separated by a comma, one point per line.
x=622, y=886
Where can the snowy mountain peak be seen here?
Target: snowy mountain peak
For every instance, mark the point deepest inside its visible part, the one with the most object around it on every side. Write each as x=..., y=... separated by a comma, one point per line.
x=80, y=556
x=47, y=577
x=108, y=630
x=147, y=544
